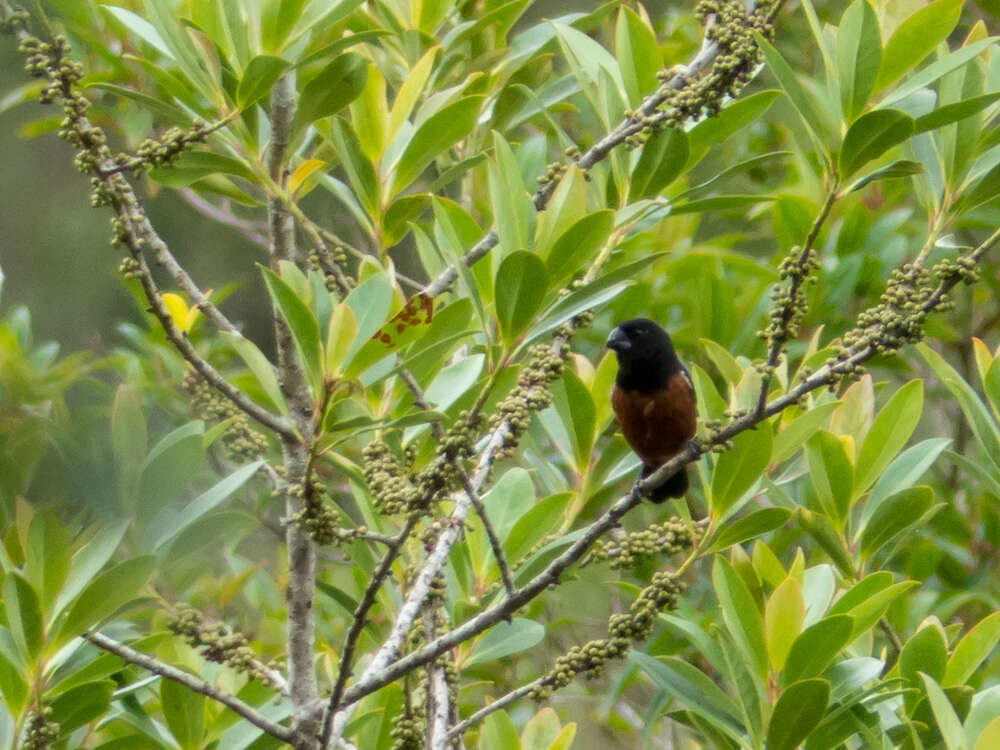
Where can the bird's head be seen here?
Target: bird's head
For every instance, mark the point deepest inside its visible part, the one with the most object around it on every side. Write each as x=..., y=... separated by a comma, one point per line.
x=644, y=351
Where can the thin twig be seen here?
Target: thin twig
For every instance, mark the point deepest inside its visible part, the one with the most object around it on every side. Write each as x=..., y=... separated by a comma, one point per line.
x=183, y=345
x=824, y=376
x=798, y=273
x=502, y=702
x=156, y=666
x=221, y=214
x=359, y=619
x=473, y=495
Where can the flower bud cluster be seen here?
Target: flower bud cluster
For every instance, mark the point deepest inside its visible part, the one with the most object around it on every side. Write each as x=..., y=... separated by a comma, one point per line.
x=623, y=630
x=667, y=538
x=732, y=30
x=318, y=517
x=895, y=321
x=790, y=300
x=387, y=480
x=240, y=439
x=39, y=732
x=217, y=643
x=532, y=392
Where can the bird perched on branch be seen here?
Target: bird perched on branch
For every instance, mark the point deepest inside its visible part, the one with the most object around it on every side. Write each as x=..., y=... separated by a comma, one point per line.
x=653, y=400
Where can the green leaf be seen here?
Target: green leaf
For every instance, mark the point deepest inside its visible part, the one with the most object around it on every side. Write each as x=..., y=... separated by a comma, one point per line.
x=24, y=615
x=872, y=135
x=925, y=651
x=663, y=158
x=513, y=211
x=954, y=112
x=990, y=736
x=519, y=290
x=944, y=713
x=572, y=401
x=499, y=731
x=175, y=522
x=370, y=301
x=302, y=325
x=193, y=166
x=977, y=415
x=737, y=470
x=578, y=244
x=184, y=712
x=341, y=334
x=89, y=559
x=605, y=288
x=859, y=53
x=359, y=168
x=732, y=118
x=691, y=687
x=104, y=595
x=638, y=53
x=916, y=37
x=817, y=646
x=336, y=86
x=260, y=75
x=972, y=650
x=903, y=472
x=261, y=368
x=47, y=557
x=802, y=101
x=800, y=429
x=433, y=137
x=505, y=639
x=829, y=537
x=888, y=434
x=82, y=704
x=718, y=203
x=901, y=168
x=798, y=711
x=141, y=28
x=740, y=613
x=935, y=70
x=539, y=521
x=784, y=614
x=754, y=525
x=832, y=474
x=867, y=612
x=128, y=437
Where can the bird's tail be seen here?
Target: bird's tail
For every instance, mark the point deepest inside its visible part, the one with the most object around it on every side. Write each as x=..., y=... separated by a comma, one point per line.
x=676, y=486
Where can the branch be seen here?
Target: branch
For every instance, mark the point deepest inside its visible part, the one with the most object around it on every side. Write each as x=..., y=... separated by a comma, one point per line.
x=630, y=126
x=437, y=695
x=301, y=635
x=502, y=702
x=825, y=376
x=183, y=345
x=791, y=302
x=221, y=214
x=156, y=666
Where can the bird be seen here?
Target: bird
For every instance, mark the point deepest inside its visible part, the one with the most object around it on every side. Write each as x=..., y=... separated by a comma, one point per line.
x=653, y=400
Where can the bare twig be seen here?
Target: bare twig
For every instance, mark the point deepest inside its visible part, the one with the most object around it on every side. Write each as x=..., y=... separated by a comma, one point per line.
x=249, y=229
x=180, y=341
x=156, y=666
x=502, y=702
x=297, y=454
x=789, y=309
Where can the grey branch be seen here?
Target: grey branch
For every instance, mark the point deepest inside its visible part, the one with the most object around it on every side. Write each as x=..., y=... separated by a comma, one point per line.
x=156, y=666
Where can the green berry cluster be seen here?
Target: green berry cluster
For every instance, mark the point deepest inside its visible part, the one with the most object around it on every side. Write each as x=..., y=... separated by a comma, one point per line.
x=899, y=316
x=129, y=268
x=338, y=256
x=407, y=733
x=790, y=300
x=387, y=480
x=442, y=474
x=667, y=538
x=14, y=21
x=165, y=150
x=318, y=517
x=240, y=439
x=217, y=643
x=39, y=732
x=623, y=629
x=532, y=392
x=732, y=67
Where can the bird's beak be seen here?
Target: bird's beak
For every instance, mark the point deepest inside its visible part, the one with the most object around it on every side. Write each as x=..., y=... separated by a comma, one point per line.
x=618, y=341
